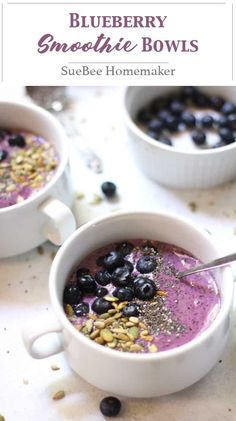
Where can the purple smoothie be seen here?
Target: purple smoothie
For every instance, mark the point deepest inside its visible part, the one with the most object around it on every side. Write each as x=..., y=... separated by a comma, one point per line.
x=179, y=310
x=27, y=164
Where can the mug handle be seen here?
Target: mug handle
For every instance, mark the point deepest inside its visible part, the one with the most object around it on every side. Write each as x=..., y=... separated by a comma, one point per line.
x=54, y=343
x=61, y=222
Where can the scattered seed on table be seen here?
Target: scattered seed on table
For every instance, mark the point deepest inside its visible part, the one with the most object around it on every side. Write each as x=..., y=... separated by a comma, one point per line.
x=55, y=367
x=192, y=206
x=58, y=395
x=96, y=200
x=40, y=250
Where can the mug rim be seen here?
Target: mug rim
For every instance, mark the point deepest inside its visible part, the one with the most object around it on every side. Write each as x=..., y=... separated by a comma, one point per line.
x=158, y=356
x=39, y=111
x=145, y=138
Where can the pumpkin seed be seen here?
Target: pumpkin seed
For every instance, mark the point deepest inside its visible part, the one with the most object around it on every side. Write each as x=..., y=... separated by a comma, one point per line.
x=69, y=310
x=134, y=320
x=148, y=338
x=106, y=335
x=110, y=298
x=112, y=344
x=136, y=348
x=99, y=324
x=133, y=332
x=94, y=334
x=99, y=340
x=55, y=367
x=104, y=316
x=58, y=395
x=152, y=348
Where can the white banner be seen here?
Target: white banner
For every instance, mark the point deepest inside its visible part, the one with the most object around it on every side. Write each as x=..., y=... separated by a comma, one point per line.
x=144, y=43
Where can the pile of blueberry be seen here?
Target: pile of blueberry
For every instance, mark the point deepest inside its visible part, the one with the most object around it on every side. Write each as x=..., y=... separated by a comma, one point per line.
x=13, y=140
x=173, y=113
x=116, y=271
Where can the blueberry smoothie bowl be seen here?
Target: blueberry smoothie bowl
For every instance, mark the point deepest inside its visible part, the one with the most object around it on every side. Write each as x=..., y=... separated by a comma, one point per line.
x=126, y=324
x=127, y=297
x=183, y=137
x=35, y=188
x=27, y=163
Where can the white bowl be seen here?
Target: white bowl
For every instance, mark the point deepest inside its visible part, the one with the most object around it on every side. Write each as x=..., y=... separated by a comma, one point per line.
x=46, y=214
x=131, y=374
x=179, y=169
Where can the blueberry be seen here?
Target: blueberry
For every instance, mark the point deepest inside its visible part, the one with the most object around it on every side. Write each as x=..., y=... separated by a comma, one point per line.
x=112, y=260
x=129, y=266
x=144, y=288
x=176, y=107
x=228, y=108
x=108, y=188
x=3, y=134
x=17, y=140
x=124, y=294
x=232, y=121
x=72, y=294
x=152, y=134
x=189, y=92
x=158, y=104
x=101, y=306
x=188, y=119
x=124, y=248
x=146, y=264
x=110, y=406
x=130, y=310
x=100, y=260
x=171, y=123
x=3, y=154
x=202, y=100
x=216, y=102
x=222, y=121
x=103, y=277
x=82, y=271
x=121, y=276
x=101, y=292
x=165, y=140
x=155, y=125
x=81, y=309
x=163, y=114
x=199, y=137
x=207, y=121
x=226, y=135
x=86, y=284
x=144, y=116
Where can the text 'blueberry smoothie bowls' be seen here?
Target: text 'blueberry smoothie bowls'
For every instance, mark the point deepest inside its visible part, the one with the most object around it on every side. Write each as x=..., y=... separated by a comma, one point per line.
x=149, y=366
x=35, y=190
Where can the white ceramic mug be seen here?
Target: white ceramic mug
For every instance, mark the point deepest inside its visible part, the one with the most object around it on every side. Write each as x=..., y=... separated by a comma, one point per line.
x=198, y=169
x=129, y=374
x=46, y=214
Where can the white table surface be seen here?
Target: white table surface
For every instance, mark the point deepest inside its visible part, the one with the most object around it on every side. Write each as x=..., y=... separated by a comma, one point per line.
x=27, y=385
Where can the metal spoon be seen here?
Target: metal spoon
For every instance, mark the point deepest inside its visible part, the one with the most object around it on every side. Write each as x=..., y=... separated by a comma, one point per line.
x=55, y=100
x=211, y=265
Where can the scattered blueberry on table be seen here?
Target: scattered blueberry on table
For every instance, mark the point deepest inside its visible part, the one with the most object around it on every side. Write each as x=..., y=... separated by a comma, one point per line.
x=182, y=111
x=109, y=189
x=110, y=406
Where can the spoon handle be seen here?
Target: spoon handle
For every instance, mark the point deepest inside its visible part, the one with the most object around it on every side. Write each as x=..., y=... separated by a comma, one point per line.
x=211, y=265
